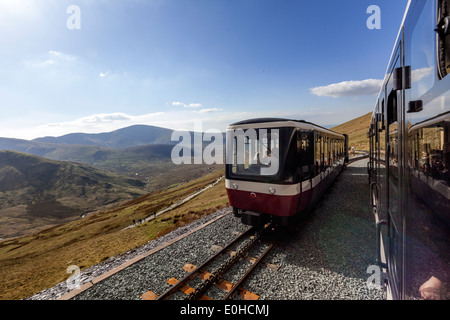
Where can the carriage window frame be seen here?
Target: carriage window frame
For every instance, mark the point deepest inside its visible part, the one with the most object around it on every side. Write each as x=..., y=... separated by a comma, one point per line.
x=432, y=144
x=443, y=40
x=277, y=136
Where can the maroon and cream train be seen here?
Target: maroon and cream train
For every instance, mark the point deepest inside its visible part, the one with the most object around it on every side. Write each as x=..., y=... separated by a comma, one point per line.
x=278, y=168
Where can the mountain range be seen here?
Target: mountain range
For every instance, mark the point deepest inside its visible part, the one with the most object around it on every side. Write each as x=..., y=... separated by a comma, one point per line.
x=137, y=135
x=52, y=179
x=67, y=146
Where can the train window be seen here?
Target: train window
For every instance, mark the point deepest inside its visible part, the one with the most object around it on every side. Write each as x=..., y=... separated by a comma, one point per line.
x=423, y=52
x=433, y=154
x=304, y=152
x=392, y=107
x=255, y=150
x=443, y=44
x=393, y=135
x=332, y=155
x=414, y=149
x=248, y=153
x=318, y=153
x=234, y=165
x=340, y=149
x=328, y=153
x=303, y=146
x=392, y=146
x=393, y=152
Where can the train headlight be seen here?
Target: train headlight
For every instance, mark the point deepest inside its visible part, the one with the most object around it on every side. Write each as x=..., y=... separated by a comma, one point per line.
x=272, y=190
x=235, y=186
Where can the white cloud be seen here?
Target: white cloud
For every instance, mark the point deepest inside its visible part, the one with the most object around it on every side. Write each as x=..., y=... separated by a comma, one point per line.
x=363, y=87
x=419, y=74
x=184, y=105
x=105, y=118
x=207, y=110
x=51, y=58
x=103, y=74
x=62, y=56
x=178, y=104
x=349, y=88
x=195, y=105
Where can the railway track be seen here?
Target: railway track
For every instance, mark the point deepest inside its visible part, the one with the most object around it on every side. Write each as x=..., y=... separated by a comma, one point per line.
x=196, y=284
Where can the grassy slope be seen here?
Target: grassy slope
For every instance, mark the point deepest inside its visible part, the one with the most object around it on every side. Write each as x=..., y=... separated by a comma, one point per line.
x=36, y=192
x=33, y=263
x=357, y=131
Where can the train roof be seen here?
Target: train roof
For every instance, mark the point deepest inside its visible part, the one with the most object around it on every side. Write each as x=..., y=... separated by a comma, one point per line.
x=280, y=122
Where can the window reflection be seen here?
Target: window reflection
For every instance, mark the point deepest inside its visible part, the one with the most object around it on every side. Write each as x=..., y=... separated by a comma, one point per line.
x=423, y=57
x=431, y=151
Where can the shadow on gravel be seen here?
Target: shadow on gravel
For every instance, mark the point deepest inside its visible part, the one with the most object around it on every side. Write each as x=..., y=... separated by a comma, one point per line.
x=339, y=234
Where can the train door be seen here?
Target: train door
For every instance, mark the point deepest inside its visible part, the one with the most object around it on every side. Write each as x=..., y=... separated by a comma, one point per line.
x=394, y=164
x=305, y=154
x=371, y=164
x=377, y=165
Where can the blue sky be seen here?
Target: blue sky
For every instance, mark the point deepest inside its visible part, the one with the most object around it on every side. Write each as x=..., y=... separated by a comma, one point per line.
x=172, y=62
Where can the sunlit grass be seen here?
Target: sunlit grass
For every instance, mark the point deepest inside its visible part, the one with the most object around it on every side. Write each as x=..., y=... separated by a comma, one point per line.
x=32, y=263
x=357, y=131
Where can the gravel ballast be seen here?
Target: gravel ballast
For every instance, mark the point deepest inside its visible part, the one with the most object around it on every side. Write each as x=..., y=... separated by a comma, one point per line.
x=326, y=257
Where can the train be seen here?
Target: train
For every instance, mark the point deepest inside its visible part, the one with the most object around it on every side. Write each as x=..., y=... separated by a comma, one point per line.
x=277, y=169
x=409, y=157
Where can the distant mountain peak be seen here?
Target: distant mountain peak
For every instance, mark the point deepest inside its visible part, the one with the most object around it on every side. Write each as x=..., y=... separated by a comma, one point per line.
x=135, y=135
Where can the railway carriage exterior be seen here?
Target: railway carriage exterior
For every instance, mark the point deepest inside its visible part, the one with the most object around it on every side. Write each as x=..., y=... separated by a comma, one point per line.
x=278, y=168
x=410, y=156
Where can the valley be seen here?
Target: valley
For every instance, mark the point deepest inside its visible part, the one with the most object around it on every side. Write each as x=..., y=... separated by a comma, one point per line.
x=36, y=192
x=52, y=180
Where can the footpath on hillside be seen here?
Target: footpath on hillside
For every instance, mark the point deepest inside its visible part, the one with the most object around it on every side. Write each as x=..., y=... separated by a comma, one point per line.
x=175, y=205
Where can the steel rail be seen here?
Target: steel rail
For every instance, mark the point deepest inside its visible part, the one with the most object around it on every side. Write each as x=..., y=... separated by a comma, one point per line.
x=247, y=274
x=217, y=275
x=174, y=288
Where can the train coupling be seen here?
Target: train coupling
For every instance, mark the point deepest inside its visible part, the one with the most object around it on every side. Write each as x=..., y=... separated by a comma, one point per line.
x=254, y=219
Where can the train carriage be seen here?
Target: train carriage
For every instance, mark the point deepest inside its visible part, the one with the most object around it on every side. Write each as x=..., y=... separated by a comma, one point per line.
x=278, y=168
x=409, y=156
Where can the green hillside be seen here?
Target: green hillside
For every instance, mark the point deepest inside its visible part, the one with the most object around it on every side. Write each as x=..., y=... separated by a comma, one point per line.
x=37, y=261
x=36, y=192
x=121, y=152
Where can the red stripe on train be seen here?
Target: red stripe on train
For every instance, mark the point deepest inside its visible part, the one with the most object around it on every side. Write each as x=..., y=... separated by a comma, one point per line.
x=284, y=206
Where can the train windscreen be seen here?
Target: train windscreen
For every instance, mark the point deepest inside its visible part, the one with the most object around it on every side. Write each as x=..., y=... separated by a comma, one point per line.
x=257, y=152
